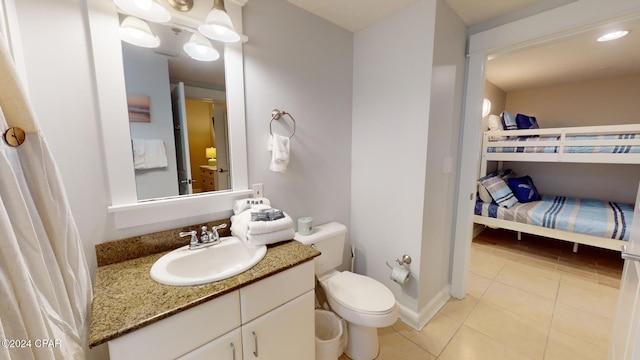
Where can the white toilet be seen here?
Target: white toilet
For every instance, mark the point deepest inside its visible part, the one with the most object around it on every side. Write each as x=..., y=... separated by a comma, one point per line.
x=363, y=302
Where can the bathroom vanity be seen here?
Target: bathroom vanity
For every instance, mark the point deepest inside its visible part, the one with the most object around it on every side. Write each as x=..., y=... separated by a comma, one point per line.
x=266, y=312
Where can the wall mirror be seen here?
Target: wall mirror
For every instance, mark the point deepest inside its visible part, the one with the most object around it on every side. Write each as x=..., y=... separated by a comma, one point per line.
x=132, y=202
x=190, y=153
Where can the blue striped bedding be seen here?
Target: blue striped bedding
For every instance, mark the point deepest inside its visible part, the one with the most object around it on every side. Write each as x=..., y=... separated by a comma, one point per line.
x=568, y=148
x=591, y=217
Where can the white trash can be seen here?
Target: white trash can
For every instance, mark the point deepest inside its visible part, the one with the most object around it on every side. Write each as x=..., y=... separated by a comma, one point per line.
x=331, y=335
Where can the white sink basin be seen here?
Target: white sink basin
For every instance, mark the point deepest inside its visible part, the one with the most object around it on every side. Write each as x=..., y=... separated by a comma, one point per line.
x=183, y=267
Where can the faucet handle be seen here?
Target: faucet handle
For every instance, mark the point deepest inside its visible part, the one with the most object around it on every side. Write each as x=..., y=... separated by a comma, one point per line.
x=221, y=226
x=192, y=233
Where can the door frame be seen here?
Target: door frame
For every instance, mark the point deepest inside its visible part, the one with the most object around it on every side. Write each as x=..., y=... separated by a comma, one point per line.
x=563, y=21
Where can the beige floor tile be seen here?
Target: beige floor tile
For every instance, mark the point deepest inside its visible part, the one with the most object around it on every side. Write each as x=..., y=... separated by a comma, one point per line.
x=516, y=331
x=434, y=336
x=394, y=346
x=535, y=270
x=529, y=282
x=562, y=347
x=540, y=262
x=520, y=302
x=610, y=281
x=583, y=325
x=477, y=285
x=587, y=296
x=578, y=272
x=458, y=310
x=469, y=344
x=486, y=264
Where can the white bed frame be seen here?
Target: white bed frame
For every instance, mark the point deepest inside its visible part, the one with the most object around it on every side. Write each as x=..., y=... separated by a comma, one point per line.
x=560, y=156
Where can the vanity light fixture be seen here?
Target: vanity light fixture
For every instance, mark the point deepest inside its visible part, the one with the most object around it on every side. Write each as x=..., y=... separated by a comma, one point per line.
x=218, y=26
x=199, y=48
x=613, y=35
x=144, y=9
x=137, y=32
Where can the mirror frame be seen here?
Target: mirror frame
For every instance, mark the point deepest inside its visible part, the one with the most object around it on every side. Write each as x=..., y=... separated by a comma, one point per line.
x=112, y=109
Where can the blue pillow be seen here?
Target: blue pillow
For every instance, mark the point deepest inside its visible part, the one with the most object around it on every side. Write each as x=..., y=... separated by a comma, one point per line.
x=508, y=121
x=525, y=122
x=524, y=189
x=499, y=190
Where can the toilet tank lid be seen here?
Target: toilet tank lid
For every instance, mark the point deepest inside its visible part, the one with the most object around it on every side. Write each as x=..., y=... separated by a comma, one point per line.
x=321, y=232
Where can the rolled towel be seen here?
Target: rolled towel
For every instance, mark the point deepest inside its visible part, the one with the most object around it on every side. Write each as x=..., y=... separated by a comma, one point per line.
x=244, y=204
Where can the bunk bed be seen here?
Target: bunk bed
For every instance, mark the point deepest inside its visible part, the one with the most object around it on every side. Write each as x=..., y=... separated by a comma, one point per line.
x=618, y=144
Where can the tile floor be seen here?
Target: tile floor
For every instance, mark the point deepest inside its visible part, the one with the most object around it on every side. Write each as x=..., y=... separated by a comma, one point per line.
x=529, y=299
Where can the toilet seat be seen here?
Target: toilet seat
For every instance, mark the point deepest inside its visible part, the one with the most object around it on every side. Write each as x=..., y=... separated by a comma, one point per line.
x=360, y=293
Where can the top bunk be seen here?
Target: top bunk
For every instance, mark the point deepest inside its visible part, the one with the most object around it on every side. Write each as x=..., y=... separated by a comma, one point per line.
x=612, y=144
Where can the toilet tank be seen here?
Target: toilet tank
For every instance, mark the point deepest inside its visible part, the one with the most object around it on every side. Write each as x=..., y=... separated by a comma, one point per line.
x=329, y=240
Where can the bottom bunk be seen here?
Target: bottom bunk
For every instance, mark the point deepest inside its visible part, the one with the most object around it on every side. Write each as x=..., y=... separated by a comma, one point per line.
x=581, y=221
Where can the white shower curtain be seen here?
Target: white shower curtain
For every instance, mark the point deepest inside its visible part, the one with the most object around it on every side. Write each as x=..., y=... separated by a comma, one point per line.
x=45, y=287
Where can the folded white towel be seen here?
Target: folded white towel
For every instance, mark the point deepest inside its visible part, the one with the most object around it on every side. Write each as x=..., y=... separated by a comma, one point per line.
x=271, y=237
x=262, y=232
x=280, y=148
x=263, y=227
x=149, y=154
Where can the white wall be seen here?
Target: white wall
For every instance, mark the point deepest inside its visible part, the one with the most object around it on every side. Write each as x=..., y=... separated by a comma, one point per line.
x=405, y=123
x=302, y=64
x=447, y=87
x=147, y=73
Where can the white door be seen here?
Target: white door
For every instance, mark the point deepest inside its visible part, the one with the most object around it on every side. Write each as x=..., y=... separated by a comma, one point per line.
x=625, y=343
x=182, y=139
x=222, y=146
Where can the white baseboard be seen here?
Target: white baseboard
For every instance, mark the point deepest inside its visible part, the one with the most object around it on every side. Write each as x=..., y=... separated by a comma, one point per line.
x=418, y=320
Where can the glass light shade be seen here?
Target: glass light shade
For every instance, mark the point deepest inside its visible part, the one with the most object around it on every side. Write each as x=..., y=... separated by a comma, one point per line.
x=137, y=32
x=144, y=9
x=486, y=107
x=613, y=35
x=211, y=153
x=199, y=48
x=218, y=26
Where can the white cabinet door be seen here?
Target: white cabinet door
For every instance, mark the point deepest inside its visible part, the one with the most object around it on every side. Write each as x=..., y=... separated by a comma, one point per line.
x=226, y=347
x=285, y=333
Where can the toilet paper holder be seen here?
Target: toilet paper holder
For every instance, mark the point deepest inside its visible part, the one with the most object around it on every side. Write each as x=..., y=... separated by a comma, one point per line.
x=404, y=260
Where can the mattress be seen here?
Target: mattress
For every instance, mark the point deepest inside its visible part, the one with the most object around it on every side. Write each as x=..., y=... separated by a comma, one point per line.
x=585, y=216
x=531, y=147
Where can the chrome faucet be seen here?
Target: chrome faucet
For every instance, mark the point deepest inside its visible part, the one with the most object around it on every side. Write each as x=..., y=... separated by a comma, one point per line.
x=207, y=238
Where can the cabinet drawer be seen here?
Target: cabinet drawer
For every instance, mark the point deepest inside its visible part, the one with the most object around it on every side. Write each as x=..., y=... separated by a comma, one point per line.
x=207, y=173
x=265, y=295
x=180, y=333
x=226, y=347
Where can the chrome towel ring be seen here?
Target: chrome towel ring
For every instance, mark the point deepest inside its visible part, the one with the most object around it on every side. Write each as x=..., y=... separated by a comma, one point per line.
x=277, y=115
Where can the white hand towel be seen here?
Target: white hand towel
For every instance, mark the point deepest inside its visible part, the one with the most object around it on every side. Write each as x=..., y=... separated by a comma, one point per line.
x=280, y=149
x=151, y=155
x=138, y=152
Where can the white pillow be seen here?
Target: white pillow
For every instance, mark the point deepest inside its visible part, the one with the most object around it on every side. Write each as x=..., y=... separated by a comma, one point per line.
x=483, y=194
x=495, y=124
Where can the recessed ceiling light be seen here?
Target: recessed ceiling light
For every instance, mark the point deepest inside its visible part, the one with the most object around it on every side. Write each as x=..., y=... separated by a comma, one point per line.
x=613, y=35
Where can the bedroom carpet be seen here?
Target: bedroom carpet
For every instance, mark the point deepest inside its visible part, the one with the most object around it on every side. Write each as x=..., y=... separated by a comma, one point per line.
x=529, y=299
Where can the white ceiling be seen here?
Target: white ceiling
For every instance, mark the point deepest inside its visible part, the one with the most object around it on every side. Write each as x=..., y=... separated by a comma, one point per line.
x=567, y=60
x=571, y=59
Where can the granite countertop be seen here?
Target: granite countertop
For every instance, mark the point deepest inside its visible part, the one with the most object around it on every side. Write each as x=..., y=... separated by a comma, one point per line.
x=126, y=298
